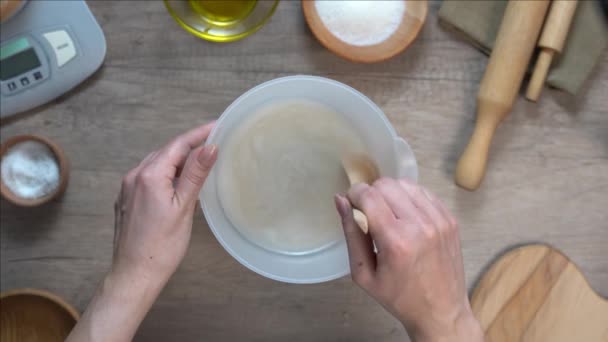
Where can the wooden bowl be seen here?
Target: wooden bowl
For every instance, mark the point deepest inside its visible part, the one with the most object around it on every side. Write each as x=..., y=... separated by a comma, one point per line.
x=64, y=171
x=411, y=23
x=31, y=315
x=8, y=8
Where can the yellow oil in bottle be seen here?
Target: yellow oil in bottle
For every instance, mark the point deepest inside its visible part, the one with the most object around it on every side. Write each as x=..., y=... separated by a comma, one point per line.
x=223, y=12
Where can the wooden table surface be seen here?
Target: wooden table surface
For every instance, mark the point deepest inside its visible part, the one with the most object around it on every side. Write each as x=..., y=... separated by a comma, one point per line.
x=547, y=179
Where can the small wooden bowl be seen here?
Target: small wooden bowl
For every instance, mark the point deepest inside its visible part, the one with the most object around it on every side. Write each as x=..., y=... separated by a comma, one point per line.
x=413, y=19
x=8, y=8
x=64, y=171
x=35, y=315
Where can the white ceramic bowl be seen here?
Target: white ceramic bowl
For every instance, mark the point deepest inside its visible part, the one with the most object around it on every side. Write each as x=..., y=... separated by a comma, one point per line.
x=391, y=153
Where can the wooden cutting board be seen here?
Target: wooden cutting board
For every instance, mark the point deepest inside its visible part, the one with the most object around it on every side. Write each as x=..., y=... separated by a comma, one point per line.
x=535, y=293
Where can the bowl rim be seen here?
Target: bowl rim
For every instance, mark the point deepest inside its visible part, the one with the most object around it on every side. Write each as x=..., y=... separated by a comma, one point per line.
x=62, y=161
x=220, y=39
x=301, y=77
x=55, y=299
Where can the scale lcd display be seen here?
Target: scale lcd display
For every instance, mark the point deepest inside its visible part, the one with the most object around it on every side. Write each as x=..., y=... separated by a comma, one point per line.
x=16, y=58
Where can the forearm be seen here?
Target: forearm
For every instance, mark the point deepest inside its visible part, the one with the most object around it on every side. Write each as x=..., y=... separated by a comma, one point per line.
x=465, y=329
x=117, y=309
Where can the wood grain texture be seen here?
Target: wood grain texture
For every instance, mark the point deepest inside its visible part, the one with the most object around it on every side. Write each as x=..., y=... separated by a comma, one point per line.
x=515, y=43
x=535, y=294
x=557, y=24
x=551, y=43
x=30, y=315
x=547, y=179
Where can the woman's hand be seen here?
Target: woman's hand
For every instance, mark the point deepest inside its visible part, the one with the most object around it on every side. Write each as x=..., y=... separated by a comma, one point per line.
x=154, y=213
x=155, y=207
x=417, y=273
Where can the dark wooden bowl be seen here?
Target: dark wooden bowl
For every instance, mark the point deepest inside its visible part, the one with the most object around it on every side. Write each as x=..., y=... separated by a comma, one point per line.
x=411, y=23
x=64, y=171
x=32, y=315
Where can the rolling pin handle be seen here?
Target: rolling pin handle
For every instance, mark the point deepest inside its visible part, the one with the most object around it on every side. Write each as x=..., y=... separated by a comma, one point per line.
x=539, y=75
x=472, y=164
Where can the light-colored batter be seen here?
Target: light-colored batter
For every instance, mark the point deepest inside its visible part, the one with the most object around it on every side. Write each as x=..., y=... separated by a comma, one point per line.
x=278, y=173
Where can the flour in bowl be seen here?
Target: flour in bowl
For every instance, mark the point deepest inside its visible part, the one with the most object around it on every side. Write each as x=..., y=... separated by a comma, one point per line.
x=278, y=173
x=361, y=22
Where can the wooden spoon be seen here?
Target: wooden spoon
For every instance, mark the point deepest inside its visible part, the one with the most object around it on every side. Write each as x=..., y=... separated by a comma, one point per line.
x=360, y=169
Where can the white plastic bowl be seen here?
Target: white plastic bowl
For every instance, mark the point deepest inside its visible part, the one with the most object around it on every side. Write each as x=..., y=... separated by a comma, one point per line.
x=391, y=153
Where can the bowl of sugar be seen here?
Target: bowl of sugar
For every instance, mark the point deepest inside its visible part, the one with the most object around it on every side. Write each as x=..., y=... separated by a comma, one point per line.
x=365, y=31
x=33, y=170
x=269, y=199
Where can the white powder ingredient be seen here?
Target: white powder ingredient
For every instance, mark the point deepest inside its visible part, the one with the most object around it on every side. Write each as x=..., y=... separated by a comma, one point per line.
x=361, y=23
x=30, y=170
x=278, y=173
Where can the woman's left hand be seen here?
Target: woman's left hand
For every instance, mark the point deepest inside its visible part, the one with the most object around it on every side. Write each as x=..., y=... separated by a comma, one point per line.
x=153, y=224
x=155, y=207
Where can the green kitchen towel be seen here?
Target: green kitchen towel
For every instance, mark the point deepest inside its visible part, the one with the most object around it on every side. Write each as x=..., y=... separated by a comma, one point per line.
x=479, y=21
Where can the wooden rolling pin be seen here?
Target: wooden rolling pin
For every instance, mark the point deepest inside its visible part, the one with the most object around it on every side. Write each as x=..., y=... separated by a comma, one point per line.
x=552, y=42
x=510, y=56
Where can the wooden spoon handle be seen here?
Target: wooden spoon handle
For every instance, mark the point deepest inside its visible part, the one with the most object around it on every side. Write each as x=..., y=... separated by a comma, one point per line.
x=361, y=220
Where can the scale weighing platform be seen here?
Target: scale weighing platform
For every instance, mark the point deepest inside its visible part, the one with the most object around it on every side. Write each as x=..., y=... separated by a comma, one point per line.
x=46, y=49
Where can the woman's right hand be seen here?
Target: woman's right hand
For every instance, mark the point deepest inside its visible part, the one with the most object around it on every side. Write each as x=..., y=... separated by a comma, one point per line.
x=417, y=273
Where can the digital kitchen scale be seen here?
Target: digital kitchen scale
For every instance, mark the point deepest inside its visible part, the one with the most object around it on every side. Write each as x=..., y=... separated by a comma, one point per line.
x=47, y=49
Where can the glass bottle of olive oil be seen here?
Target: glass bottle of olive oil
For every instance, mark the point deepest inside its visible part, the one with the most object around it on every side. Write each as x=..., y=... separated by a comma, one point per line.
x=223, y=12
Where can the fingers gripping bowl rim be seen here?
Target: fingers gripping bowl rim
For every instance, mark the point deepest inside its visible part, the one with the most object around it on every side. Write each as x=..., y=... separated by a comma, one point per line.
x=391, y=153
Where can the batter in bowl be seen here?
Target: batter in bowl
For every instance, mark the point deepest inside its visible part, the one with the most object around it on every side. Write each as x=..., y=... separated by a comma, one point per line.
x=279, y=170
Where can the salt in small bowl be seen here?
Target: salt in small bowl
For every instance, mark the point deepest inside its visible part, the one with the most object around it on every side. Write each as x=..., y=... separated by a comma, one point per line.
x=62, y=163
